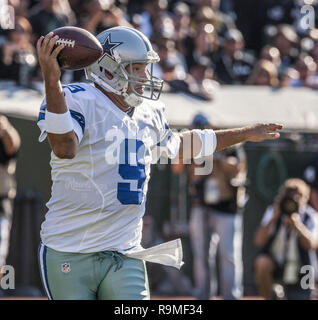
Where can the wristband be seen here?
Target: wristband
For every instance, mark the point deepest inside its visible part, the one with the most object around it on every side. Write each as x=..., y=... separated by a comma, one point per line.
x=58, y=122
x=208, y=140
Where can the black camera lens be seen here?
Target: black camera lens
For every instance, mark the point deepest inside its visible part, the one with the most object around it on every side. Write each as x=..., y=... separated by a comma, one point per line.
x=289, y=205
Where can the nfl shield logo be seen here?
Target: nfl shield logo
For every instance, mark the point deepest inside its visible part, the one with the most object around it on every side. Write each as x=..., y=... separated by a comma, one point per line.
x=66, y=267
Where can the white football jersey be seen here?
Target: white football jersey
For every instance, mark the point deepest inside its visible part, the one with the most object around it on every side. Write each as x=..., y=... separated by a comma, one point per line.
x=98, y=197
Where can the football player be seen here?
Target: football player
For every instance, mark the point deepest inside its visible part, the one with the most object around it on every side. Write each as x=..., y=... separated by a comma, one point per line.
x=104, y=136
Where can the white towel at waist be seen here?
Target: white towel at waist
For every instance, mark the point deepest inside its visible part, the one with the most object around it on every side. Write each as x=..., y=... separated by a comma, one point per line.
x=167, y=253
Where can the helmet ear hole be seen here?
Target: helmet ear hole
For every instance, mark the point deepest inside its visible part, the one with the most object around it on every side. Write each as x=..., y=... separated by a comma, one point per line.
x=108, y=75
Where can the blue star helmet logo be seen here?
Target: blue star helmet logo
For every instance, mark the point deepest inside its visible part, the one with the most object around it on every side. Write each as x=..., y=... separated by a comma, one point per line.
x=109, y=46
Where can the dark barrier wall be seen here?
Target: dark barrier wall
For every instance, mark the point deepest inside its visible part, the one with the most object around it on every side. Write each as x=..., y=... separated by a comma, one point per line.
x=33, y=181
x=24, y=241
x=33, y=169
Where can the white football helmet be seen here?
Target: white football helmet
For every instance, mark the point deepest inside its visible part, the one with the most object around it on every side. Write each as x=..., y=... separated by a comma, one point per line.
x=122, y=47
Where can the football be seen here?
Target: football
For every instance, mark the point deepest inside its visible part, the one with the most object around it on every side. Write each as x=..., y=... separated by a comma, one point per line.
x=81, y=48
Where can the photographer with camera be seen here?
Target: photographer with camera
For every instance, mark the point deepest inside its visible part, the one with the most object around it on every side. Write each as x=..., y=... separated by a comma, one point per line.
x=287, y=237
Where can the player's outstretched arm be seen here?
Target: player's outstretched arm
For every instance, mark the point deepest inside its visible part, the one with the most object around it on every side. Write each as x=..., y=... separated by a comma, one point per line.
x=254, y=133
x=225, y=138
x=63, y=145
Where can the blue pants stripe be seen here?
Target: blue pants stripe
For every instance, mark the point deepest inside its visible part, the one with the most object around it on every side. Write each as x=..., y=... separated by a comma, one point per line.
x=43, y=270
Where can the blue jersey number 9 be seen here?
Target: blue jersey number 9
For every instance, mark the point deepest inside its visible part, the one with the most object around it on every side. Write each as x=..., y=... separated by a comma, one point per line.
x=132, y=170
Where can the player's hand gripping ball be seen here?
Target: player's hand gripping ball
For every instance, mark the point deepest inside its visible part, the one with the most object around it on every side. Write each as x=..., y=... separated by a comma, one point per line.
x=81, y=48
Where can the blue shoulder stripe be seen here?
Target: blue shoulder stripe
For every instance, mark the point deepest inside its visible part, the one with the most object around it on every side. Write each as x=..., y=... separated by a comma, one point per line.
x=75, y=115
x=42, y=113
x=41, y=116
x=79, y=118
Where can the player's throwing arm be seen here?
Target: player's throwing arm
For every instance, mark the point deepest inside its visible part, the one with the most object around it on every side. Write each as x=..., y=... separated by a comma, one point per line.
x=62, y=137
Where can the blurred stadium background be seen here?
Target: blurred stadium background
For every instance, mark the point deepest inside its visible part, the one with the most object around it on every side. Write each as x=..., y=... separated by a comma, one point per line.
x=236, y=61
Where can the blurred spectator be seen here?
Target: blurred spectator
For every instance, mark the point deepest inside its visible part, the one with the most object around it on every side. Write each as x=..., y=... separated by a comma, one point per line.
x=18, y=55
x=199, y=231
x=208, y=11
x=96, y=16
x=202, y=45
x=181, y=21
x=306, y=68
x=90, y=14
x=312, y=44
x=49, y=15
x=200, y=81
x=172, y=65
x=136, y=21
x=289, y=77
x=20, y=7
x=233, y=65
x=271, y=54
x=264, y=74
x=9, y=146
x=224, y=197
x=286, y=41
x=287, y=238
x=215, y=222
x=155, y=20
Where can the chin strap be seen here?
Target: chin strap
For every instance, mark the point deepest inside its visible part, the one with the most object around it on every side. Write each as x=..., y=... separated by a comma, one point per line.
x=132, y=100
x=130, y=111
